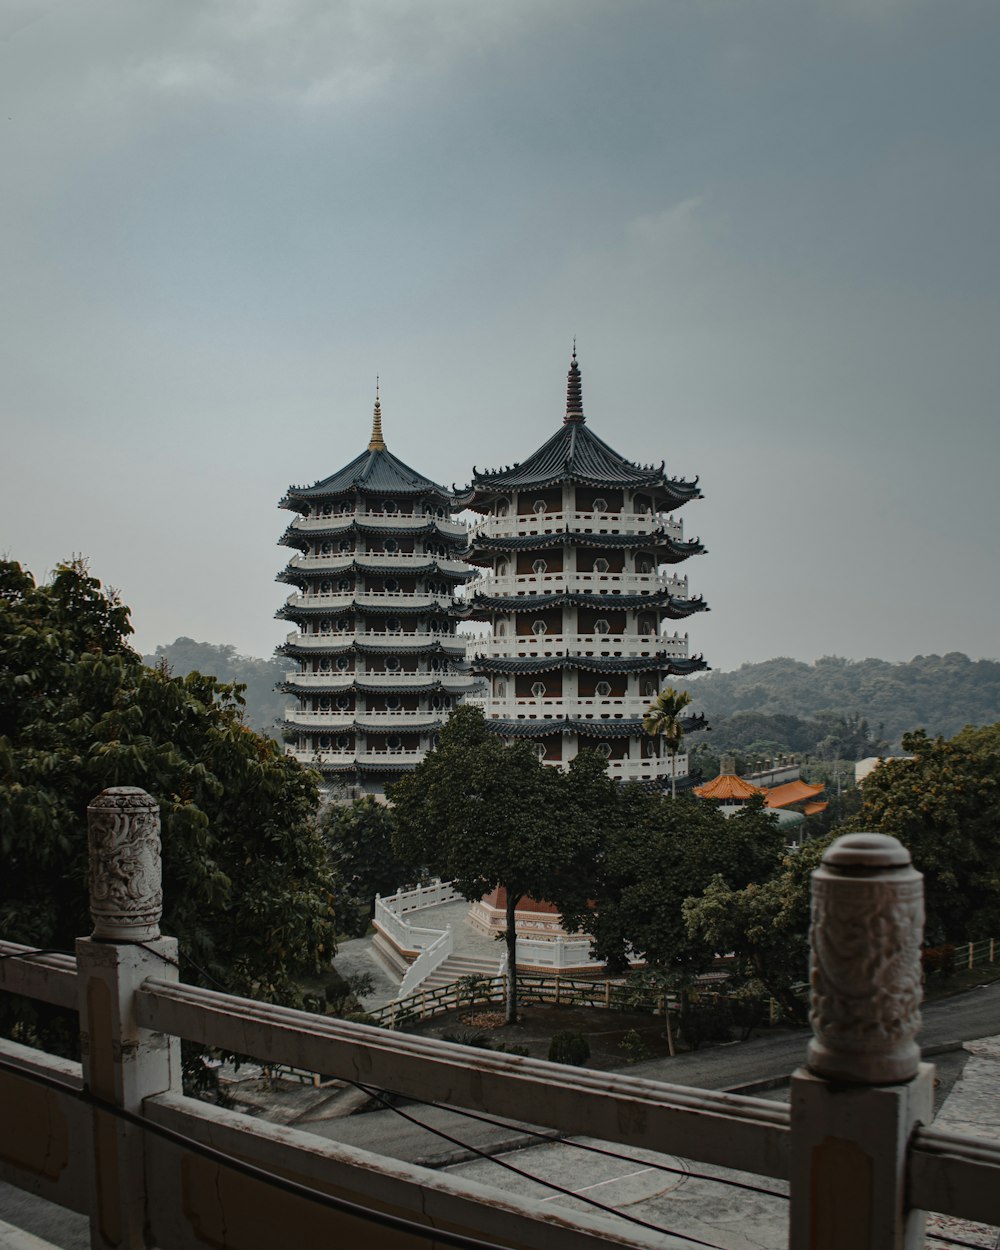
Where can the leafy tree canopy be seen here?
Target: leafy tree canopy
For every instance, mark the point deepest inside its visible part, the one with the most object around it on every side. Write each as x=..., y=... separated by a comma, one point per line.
x=247, y=889
x=359, y=841
x=944, y=804
x=485, y=814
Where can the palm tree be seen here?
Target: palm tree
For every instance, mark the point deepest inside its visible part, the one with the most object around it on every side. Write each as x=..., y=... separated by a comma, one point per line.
x=663, y=720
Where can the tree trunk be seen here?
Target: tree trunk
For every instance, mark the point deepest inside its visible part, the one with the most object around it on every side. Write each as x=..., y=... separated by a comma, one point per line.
x=511, y=937
x=673, y=774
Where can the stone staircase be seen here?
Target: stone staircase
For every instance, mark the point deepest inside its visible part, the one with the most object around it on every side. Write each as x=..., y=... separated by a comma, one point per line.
x=457, y=966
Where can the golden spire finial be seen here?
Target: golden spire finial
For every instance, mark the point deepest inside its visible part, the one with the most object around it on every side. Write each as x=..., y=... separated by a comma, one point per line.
x=377, y=441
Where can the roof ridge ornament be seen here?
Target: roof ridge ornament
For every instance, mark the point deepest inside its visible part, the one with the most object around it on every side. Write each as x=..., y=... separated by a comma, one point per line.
x=574, y=392
x=377, y=442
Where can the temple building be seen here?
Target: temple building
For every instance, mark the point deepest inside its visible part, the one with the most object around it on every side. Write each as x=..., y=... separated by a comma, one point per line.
x=577, y=548
x=377, y=662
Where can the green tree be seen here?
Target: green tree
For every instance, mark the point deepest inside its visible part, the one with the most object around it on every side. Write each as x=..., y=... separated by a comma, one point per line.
x=663, y=722
x=359, y=841
x=944, y=804
x=765, y=924
x=247, y=886
x=485, y=815
x=658, y=853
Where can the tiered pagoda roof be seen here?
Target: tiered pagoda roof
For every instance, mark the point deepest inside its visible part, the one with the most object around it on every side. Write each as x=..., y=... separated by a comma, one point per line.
x=660, y=662
x=662, y=600
x=576, y=454
x=668, y=550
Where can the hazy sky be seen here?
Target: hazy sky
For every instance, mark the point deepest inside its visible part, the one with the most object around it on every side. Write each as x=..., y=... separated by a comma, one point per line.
x=772, y=226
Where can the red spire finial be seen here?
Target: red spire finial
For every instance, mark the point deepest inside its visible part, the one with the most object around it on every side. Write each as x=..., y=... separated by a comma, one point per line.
x=574, y=391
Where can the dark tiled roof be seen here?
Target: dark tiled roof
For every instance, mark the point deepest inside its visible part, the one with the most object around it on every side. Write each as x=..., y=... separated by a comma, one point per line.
x=293, y=537
x=661, y=600
x=626, y=727
x=297, y=575
x=374, y=472
x=434, y=684
x=669, y=550
x=659, y=663
x=451, y=647
x=417, y=607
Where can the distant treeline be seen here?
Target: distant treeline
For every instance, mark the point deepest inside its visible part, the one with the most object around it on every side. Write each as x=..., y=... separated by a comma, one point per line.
x=834, y=709
x=845, y=709
x=264, y=705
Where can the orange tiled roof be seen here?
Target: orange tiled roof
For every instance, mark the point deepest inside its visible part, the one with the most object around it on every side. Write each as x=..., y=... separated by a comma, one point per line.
x=791, y=792
x=812, y=809
x=726, y=786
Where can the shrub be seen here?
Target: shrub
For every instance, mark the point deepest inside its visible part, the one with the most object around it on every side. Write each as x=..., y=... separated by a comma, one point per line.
x=569, y=1047
x=633, y=1046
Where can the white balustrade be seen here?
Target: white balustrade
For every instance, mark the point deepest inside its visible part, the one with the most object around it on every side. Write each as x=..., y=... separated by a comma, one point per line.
x=376, y=681
x=338, y=561
x=382, y=598
x=629, y=523
x=396, y=639
x=565, y=582
x=580, y=707
x=649, y=769
x=383, y=520
x=311, y=758
x=338, y=718
x=509, y=645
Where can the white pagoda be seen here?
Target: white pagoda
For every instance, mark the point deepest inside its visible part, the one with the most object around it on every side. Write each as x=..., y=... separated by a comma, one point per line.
x=377, y=664
x=578, y=549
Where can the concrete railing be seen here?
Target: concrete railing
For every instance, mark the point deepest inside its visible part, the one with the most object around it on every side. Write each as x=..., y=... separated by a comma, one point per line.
x=115, y=1136
x=576, y=522
x=630, y=645
x=434, y=945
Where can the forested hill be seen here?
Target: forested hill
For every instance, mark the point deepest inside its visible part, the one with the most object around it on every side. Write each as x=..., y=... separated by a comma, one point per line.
x=941, y=693
x=263, y=703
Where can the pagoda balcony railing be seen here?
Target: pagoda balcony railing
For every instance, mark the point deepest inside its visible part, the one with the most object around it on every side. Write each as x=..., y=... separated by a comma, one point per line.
x=625, y=583
x=398, y=639
x=338, y=718
x=400, y=521
x=626, y=523
x=342, y=681
x=338, y=561
x=628, y=646
x=582, y=707
x=381, y=598
x=649, y=769
x=349, y=757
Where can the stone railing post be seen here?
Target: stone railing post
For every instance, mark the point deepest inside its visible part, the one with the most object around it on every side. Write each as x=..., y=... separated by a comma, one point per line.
x=864, y=1090
x=122, y=1063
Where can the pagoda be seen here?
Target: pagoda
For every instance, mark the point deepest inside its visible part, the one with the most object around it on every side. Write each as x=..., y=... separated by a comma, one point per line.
x=578, y=548
x=377, y=662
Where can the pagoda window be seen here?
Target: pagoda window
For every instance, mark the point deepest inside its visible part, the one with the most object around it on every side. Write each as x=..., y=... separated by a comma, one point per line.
x=324, y=744
x=392, y=705
x=642, y=505
x=388, y=506
x=649, y=689
x=393, y=625
x=394, y=744
x=604, y=748
x=647, y=747
x=392, y=663
x=327, y=510
x=343, y=743
x=602, y=627
x=343, y=625
x=345, y=544
x=500, y=629
x=540, y=750
x=540, y=506
x=602, y=689
x=325, y=665
x=539, y=566
x=434, y=627
x=501, y=568
x=324, y=704
x=343, y=703
x=600, y=505
x=344, y=584
x=502, y=507
x=538, y=689
x=440, y=514
x=325, y=588
x=343, y=664
x=392, y=585
x=600, y=565
x=391, y=545
x=325, y=549
x=539, y=628
x=325, y=627
x=647, y=625
x=435, y=666
x=500, y=689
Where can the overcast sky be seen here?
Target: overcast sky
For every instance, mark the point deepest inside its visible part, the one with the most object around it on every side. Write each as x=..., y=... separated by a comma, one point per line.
x=772, y=226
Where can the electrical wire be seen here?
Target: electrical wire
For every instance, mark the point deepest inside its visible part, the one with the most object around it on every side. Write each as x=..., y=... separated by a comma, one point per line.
x=566, y=1193
x=958, y=1241
x=295, y=1188
x=559, y=1140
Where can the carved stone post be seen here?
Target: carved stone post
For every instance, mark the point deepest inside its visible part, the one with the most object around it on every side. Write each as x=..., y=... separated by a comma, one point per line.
x=123, y=1064
x=856, y=1105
